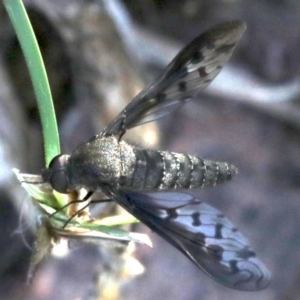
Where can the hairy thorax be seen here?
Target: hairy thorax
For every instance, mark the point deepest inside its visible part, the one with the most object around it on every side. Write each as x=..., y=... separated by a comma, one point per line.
x=101, y=161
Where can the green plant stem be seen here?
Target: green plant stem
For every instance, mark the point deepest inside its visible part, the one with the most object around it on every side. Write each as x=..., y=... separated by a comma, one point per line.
x=24, y=31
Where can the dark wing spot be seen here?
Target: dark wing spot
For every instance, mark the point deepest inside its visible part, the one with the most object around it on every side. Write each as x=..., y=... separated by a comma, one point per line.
x=196, y=219
x=233, y=266
x=161, y=97
x=246, y=254
x=182, y=86
x=172, y=213
x=218, y=232
x=202, y=72
x=197, y=57
x=217, y=251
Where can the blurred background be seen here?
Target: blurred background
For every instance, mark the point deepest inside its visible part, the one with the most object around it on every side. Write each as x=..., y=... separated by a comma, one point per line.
x=98, y=56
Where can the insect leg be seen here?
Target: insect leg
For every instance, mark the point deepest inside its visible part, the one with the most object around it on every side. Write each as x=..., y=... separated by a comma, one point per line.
x=88, y=195
x=85, y=198
x=77, y=212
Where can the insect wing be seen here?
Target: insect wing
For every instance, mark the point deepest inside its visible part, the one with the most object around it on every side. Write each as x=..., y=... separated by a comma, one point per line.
x=191, y=70
x=202, y=233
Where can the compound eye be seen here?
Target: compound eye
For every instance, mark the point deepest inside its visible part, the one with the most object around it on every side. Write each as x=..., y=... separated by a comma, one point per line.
x=58, y=162
x=58, y=178
x=59, y=181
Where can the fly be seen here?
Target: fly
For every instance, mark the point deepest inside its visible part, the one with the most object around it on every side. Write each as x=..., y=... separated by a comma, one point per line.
x=150, y=184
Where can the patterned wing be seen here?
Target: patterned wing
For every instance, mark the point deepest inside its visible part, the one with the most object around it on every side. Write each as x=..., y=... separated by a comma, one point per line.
x=191, y=70
x=202, y=233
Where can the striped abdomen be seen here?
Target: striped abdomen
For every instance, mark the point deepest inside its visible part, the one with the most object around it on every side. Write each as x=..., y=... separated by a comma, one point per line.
x=169, y=170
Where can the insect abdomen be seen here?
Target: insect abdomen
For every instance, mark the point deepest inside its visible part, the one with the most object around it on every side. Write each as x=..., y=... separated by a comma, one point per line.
x=169, y=170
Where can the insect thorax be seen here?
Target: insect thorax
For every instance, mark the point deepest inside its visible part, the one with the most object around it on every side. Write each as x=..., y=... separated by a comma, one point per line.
x=101, y=161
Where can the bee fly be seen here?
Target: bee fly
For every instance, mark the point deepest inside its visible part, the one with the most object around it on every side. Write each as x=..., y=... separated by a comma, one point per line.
x=149, y=184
